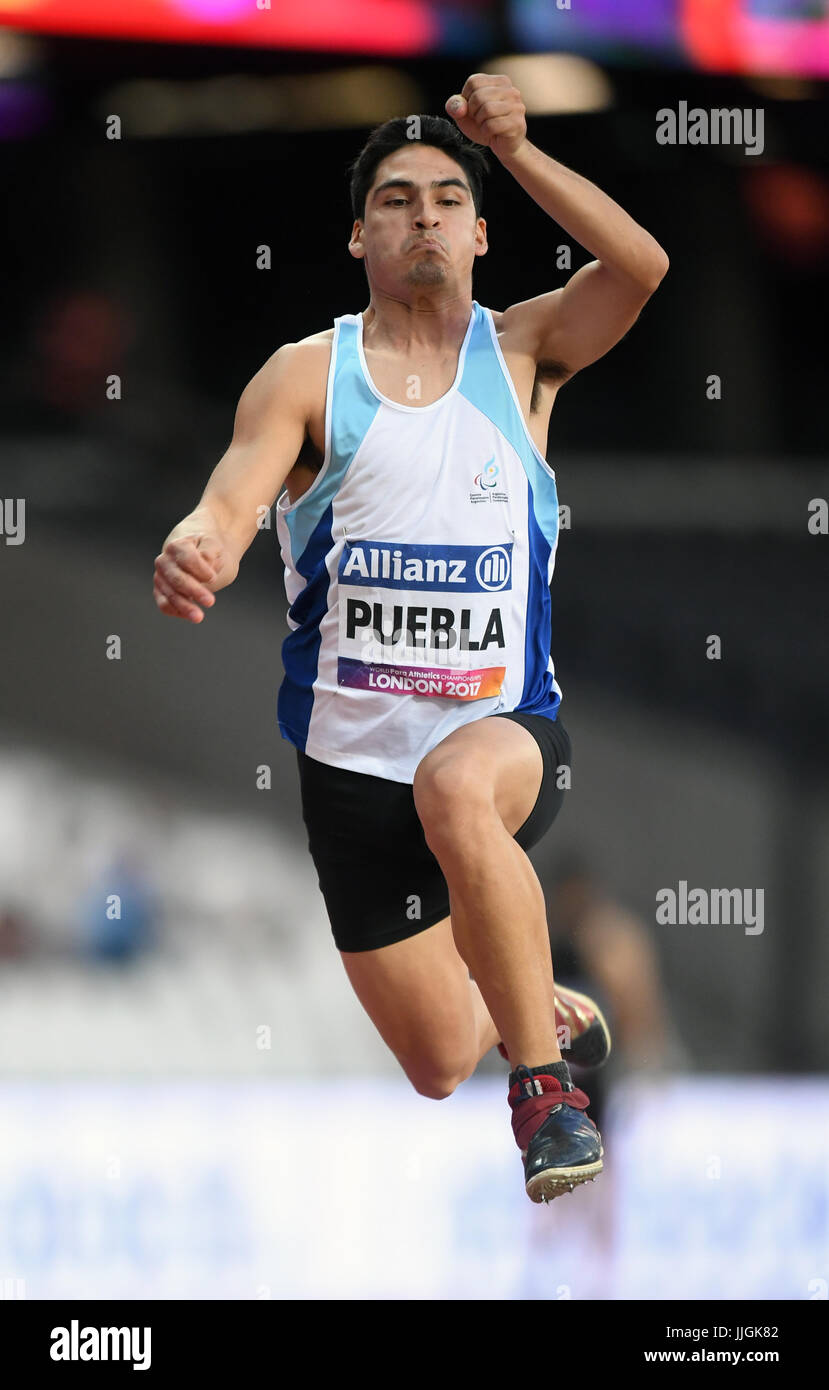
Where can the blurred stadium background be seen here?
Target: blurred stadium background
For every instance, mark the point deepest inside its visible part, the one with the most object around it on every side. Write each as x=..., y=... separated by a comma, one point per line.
x=170, y=1078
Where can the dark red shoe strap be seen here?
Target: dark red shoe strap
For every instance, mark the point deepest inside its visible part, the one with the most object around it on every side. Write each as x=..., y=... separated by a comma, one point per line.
x=530, y=1112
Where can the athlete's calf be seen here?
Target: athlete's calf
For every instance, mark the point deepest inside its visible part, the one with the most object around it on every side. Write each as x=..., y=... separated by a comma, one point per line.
x=472, y=792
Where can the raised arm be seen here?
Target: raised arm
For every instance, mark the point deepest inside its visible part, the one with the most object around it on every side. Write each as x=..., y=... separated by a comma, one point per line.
x=572, y=326
x=202, y=553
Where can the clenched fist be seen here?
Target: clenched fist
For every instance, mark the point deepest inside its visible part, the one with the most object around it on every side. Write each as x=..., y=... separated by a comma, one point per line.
x=490, y=111
x=184, y=573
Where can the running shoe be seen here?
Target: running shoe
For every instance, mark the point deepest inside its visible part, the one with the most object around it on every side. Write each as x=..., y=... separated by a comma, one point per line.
x=585, y=1039
x=559, y=1143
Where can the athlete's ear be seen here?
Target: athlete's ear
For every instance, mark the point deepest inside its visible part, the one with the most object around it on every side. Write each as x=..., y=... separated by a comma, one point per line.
x=481, y=243
x=355, y=245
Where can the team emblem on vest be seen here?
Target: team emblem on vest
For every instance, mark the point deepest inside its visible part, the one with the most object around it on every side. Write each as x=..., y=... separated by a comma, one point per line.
x=486, y=482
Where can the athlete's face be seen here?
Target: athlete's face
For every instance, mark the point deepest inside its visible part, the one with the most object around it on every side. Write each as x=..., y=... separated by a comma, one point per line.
x=420, y=228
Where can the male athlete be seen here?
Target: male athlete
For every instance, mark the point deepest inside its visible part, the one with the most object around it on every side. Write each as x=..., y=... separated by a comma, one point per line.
x=418, y=528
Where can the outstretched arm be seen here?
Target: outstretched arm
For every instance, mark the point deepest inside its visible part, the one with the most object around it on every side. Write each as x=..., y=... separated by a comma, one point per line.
x=579, y=323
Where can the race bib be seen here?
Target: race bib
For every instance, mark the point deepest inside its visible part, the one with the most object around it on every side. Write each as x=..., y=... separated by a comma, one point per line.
x=423, y=619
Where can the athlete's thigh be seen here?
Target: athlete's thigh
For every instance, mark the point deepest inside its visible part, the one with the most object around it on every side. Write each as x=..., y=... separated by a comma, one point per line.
x=496, y=757
x=417, y=993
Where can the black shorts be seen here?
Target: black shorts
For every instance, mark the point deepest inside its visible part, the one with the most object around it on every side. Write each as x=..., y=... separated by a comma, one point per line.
x=380, y=881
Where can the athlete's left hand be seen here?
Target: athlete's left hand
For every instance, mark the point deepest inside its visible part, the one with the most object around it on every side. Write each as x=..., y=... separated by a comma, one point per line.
x=490, y=111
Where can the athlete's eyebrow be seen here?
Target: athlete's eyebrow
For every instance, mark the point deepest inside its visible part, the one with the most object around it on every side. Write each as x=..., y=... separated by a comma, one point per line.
x=409, y=183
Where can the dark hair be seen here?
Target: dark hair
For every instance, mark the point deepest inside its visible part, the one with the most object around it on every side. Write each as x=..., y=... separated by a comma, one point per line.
x=394, y=135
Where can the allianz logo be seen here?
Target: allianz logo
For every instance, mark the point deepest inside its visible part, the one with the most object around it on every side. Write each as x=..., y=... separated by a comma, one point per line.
x=480, y=568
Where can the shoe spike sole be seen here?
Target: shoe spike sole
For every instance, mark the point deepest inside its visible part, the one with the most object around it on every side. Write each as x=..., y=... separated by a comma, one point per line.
x=545, y=1186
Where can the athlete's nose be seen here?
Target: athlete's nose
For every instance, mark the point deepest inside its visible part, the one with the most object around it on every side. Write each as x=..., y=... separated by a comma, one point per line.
x=426, y=217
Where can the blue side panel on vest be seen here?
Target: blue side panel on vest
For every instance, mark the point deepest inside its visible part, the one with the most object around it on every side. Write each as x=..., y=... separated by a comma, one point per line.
x=538, y=682
x=353, y=408
x=300, y=650
x=484, y=386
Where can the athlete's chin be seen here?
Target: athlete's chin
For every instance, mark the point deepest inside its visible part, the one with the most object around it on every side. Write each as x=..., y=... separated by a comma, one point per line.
x=426, y=273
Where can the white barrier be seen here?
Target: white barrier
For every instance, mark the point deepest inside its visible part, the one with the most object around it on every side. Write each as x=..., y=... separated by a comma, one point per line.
x=364, y=1190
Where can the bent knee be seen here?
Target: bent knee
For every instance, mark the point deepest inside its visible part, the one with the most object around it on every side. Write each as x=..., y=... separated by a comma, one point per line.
x=445, y=776
x=437, y=1084
x=435, y=1088
x=443, y=786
